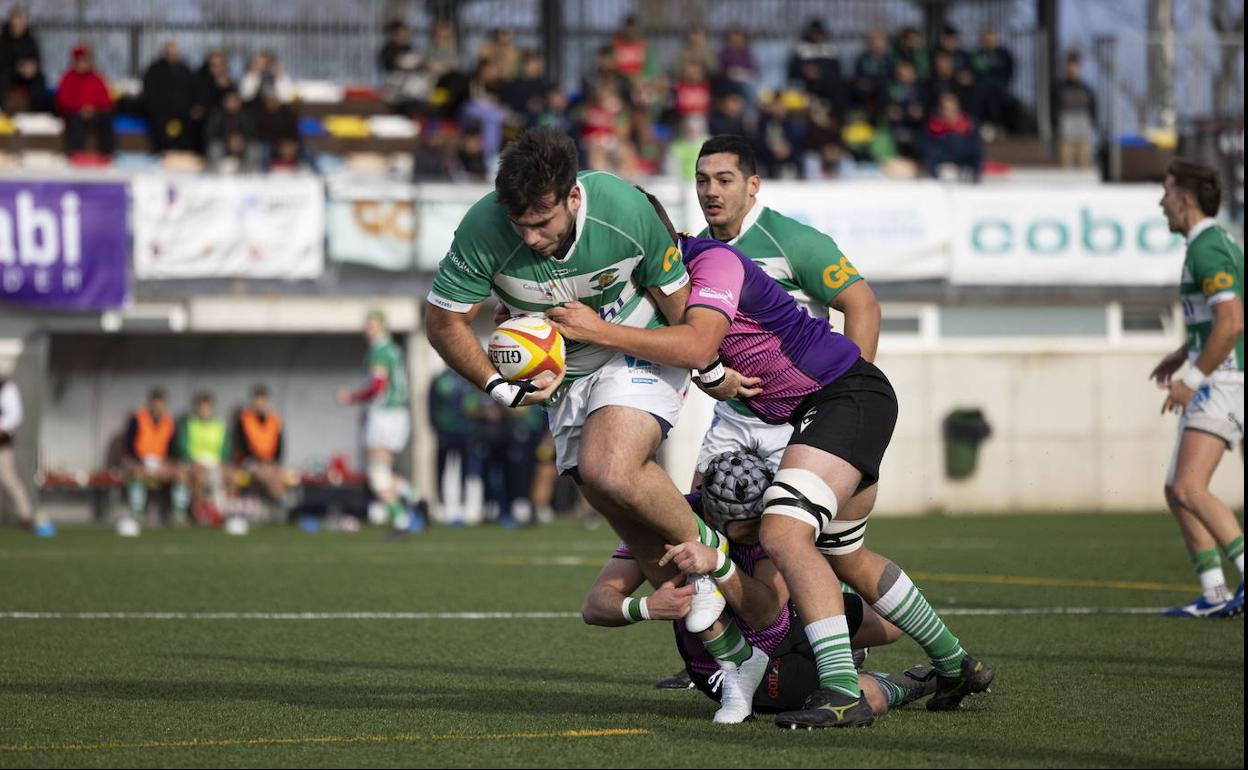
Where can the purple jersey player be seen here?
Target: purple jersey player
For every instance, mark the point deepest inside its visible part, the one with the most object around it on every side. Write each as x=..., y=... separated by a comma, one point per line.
x=749, y=339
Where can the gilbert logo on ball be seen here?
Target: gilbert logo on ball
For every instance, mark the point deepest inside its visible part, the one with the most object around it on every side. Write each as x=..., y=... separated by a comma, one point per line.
x=523, y=347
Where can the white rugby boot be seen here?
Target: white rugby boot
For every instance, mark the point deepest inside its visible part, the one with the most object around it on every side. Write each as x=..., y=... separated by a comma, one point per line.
x=706, y=605
x=736, y=701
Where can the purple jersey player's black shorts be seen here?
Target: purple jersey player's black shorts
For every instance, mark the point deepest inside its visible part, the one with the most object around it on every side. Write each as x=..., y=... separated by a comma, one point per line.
x=792, y=674
x=852, y=418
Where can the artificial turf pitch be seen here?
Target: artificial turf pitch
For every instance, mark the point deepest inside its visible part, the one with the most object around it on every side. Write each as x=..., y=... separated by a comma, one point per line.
x=236, y=677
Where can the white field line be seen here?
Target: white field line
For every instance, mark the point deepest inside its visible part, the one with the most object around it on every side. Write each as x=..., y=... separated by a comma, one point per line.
x=420, y=616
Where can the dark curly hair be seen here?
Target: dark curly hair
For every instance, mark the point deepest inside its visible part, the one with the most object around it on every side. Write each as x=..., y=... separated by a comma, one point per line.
x=538, y=164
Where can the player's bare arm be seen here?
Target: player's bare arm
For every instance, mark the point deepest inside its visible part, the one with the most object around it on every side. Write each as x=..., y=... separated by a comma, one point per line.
x=862, y=316
x=691, y=344
x=617, y=581
x=450, y=333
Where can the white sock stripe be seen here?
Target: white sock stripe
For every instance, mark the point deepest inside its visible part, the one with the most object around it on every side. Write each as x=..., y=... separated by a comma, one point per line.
x=741, y=644
x=891, y=598
x=830, y=626
x=929, y=626
x=905, y=606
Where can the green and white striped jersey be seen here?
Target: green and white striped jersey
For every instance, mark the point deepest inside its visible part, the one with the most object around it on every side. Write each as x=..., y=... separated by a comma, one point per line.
x=1213, y=272
x=621, y=249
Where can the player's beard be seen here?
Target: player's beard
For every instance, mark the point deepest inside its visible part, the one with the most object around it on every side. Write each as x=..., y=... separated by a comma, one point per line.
x=566, y=244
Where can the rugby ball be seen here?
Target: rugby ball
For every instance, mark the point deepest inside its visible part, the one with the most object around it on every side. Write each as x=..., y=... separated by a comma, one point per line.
x=525, y=346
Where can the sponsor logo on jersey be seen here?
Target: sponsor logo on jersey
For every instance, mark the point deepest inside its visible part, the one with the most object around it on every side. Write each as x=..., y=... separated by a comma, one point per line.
x=723, y=295
x=604, y=280
x=1216, y=283
x=546, y=291
x=457, y=261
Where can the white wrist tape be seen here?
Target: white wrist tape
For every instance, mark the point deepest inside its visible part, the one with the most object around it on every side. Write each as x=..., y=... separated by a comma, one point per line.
x=713, y=374
x=509, y=394
x=724, y=567
x=635, y=610
x=1194, y=378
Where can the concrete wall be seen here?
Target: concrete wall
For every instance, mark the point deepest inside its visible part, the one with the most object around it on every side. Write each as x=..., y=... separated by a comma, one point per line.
x=1074, y=429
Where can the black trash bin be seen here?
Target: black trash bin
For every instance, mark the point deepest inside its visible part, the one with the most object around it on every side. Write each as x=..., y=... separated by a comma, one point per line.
x=965, y=430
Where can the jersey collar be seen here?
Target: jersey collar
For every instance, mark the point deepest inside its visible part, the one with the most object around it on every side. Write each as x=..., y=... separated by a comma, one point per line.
x=751, y=217
x=581, y=214
x=1199, y=228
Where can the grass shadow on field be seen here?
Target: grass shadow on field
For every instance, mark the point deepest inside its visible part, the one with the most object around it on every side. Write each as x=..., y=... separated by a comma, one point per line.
x=485, y=700
x=525, y=675
x=1162, y=666
x=965, y=750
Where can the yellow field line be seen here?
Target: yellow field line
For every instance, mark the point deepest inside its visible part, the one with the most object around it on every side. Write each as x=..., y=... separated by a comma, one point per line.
x=1020, y=580
x=213, y=742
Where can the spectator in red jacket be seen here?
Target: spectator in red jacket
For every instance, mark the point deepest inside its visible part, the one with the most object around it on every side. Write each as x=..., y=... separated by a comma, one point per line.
x=82, y=100
x=952, y=140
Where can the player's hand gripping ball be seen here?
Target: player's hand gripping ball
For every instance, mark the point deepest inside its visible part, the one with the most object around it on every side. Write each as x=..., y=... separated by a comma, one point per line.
x=525, y=346
x=732, y=488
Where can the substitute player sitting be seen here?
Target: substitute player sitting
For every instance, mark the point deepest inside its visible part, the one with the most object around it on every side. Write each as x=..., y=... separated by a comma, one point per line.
x=258, y=443
x=204, y=445
x=794, y=369
x=149, y=460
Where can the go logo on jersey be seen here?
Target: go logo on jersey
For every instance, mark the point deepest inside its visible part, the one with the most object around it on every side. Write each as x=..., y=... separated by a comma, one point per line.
x=1216, y=283
x=837, y=275
x=672, y=251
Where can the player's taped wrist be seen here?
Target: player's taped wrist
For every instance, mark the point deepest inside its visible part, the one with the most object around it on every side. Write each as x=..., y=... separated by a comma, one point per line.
x=1194, y=378
x=713, y=374
x=509, y=394
x=635, y=610
x=724, y=567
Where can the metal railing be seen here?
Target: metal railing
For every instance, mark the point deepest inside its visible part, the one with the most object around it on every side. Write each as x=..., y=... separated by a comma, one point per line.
x=1207, y=83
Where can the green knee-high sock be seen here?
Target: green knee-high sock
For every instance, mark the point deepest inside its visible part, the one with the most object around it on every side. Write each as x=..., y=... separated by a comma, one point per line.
x=829, y=639
x=730, y=646
x=903, y=605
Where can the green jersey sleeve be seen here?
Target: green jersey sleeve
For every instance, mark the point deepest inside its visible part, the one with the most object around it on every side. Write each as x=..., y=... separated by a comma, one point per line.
x=1215, y=268
x=661, y=266
x=465, y=274
x=819, y=267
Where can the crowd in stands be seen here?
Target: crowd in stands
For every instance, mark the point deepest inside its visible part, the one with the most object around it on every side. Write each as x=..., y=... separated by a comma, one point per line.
x=898, y=104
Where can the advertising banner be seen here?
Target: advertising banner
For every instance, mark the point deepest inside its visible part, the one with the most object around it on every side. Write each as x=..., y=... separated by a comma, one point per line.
x=890, y=231
x=63, y=245
x=1113, y=235
x=372, y=222
x=225, y=227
